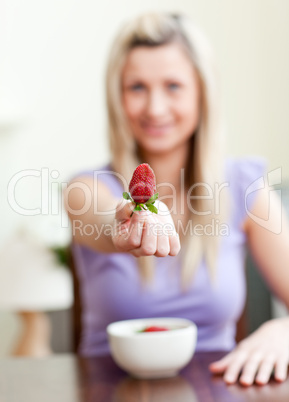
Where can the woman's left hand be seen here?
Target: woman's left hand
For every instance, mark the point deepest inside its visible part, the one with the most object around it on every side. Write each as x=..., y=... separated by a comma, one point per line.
x=257, y=355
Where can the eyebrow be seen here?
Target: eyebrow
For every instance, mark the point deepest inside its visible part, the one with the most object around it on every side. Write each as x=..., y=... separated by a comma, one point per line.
x=136, y=78
x=130, y=77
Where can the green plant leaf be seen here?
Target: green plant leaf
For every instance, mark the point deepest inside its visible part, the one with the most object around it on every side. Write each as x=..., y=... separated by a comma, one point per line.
x=153, y=198
x=152, y=208
x=127, y=196
x=62, y=254
x=137, y=208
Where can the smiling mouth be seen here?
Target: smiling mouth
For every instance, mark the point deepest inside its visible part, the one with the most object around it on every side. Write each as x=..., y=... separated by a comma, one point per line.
x=156, y=128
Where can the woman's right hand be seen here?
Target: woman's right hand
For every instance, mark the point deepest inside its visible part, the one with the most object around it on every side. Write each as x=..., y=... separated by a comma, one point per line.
x=144, y=233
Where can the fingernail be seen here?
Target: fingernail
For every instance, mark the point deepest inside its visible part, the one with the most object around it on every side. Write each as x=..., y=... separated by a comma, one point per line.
x=215, y=363
x=261, y=380
x=281, y=378
x=246, y=381
x=229, y=378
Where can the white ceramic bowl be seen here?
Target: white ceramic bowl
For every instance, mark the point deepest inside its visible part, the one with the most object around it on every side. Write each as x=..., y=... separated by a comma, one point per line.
x=152, y=354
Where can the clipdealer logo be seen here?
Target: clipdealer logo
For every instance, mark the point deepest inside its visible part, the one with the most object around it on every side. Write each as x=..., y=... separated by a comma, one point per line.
x=48, y=205
x=51, y=198
x=273, y=223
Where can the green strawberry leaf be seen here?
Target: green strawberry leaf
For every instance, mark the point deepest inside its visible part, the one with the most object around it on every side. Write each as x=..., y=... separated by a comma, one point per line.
x=152, y=208
x=137, y=208
x=127, y=196
x=153, y=198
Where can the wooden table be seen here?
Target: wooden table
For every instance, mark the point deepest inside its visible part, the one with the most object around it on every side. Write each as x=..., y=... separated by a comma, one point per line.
x=66, y=378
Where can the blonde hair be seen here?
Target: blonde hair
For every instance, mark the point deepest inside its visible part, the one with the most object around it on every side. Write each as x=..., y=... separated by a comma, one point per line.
x=204, y=164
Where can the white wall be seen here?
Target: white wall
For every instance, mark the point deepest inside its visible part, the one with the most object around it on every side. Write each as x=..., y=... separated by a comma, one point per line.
x=52, y=95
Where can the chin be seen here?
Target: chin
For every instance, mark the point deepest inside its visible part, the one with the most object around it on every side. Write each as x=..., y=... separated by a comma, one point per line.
x=157, y=150
x=162, y=145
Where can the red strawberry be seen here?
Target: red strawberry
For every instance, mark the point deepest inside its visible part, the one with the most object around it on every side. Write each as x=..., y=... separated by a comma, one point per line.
x=142, y=188
x=143, y=184
x=154, y=328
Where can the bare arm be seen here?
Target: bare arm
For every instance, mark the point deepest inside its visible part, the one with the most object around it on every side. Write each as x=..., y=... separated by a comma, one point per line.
x=91, y=210
x=104, y=223
x=269, y=249
x=268, y=346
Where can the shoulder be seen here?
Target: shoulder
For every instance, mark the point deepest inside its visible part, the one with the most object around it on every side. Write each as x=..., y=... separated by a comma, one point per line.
x=90, y=172
x=103, y=177
x=244, y=174
x=245, y=168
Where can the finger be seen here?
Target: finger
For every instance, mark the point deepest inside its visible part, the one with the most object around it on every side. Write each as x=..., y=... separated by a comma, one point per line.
x=163, y=244
x=129, y=236
x=265, y=369
x=175, y=245
x=148, y=241
x=123, y=210
x=250, y=369
x=220, y=365
x=135, y=252
x=232, y=373
x=168, y=229
x=135, y=232
x=281, y=368
x=162, y=208
x=123, y=240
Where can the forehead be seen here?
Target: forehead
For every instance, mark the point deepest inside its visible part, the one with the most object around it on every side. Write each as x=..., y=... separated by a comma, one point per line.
x=151, y=62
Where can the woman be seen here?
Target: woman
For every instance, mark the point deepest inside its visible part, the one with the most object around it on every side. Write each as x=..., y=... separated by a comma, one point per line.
x=163, y=109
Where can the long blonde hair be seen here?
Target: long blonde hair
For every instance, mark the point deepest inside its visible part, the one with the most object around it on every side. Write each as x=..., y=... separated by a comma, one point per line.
x=204, y=164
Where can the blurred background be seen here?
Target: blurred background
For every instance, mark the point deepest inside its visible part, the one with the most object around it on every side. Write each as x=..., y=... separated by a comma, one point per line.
x=52, y=110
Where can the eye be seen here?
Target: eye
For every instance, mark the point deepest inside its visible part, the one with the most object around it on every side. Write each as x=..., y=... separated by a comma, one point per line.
x=173, y=86
x=136, y=87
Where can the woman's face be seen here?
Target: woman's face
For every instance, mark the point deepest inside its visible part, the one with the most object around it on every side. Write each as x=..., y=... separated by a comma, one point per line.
x=160, y=97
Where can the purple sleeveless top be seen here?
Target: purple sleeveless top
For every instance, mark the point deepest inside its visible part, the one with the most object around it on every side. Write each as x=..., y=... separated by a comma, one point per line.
x=111, y=287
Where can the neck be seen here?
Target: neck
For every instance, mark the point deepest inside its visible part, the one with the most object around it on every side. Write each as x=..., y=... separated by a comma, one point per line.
x=167, y=168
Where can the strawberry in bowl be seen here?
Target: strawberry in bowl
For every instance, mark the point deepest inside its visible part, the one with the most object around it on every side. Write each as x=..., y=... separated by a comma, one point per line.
x=154, y=353
x=154, y=328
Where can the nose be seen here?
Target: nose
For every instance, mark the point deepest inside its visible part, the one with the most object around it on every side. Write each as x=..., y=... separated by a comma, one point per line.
x=157, y=104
